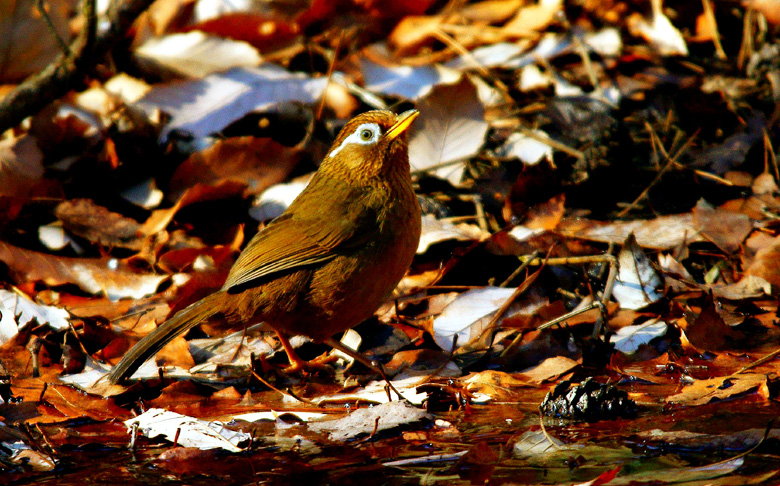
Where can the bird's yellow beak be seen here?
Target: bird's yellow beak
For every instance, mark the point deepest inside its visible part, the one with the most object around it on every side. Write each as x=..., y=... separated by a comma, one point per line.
x=404, y=120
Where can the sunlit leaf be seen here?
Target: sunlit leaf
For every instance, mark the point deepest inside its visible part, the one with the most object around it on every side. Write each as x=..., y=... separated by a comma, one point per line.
x=208, y=105
x=638, y=283
x=191, y=432
x=451, y=129
x=17, y=311
x=628, y=339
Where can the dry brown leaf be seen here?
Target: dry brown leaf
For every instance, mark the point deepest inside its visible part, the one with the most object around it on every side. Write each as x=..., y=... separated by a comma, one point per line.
x=411, y=33
x=97, y=224
x=710, y=332
x=257, y=162
x=21, y=165
x=491, y=11
x=533, y=18
x=766, y=264
x=702, y=392
x=176, y=353
x=726, y=229
x=663, y=233
x=94, y=275
x=550, y=369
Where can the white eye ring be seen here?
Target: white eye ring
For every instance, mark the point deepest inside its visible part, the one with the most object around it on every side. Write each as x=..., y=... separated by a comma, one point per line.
x=364, y=134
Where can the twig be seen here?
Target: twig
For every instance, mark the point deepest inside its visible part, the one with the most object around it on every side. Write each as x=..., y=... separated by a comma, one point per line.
x=671, y=162
x=521, y=268
x=461, y=49
x=755, y=363
x=552, y=143
x=709, y=15
x=67, y=71
x=46, y=18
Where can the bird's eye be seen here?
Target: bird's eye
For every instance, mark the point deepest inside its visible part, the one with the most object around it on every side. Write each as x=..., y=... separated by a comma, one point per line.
x=366, y=134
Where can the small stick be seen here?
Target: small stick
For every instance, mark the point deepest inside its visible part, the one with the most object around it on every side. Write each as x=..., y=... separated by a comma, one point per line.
x=709, y=15
x=521, y=268
x=372, y=365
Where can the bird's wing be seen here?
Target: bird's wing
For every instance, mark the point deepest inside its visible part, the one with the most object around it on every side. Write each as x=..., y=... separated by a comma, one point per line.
x=290, y=242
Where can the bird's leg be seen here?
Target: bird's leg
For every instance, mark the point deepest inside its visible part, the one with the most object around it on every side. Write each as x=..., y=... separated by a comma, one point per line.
x=296, y=363
x=375, y=366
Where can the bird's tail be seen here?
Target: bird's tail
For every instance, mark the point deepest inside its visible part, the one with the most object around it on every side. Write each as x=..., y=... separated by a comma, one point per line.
x=153, y=342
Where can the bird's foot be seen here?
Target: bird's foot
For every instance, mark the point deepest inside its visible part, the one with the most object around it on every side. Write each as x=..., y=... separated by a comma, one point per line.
x=320, y=363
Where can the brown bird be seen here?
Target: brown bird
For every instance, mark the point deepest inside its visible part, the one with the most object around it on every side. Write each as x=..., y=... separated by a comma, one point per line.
x=331, y=259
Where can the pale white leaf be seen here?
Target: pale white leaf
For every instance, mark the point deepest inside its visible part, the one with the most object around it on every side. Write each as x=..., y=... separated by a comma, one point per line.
x=436, y=231
x=638, y=283
x=274, y=416
x=350, y=339
x=275, y=200
x=410, y=82
x=458, y=318
x=370, y=420
x=195, y=54
x=127, y=88
x=53, y=236
x=488, y=56
x=208, y=105
x=450, y=130
x=211, y=9
x=144, y=194
x=376, y=392
x=662, y=34
x=522, y=233
x=17, y=311
x=606, y=42
x=532, y=78
x=529, y=150
x=628, y=339
x=191, y=432
x=535, y=443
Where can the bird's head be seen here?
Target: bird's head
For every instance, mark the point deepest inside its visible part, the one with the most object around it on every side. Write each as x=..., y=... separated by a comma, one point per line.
x=371, y=144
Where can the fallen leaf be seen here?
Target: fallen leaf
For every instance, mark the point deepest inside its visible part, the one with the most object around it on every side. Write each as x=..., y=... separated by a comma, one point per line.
x=726, y=229
x=464, y=319
x=370, y=420
x=529, y=150
x=21, y=165
x=195, y=54
x=105, y=275
x=435, y=231
x=661, y=33
x=412, y=82
x=709, y=332
x=451, y=129
x=628, y=339
x=18, y=311
x=638, y=284
x=663, y=233
x=550, y=369
x=207, y=105
x=702, y=392
x=97, y=224
x=257, y=162
x=27, y=43
x=191, y=432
